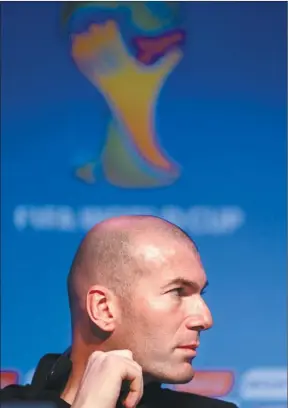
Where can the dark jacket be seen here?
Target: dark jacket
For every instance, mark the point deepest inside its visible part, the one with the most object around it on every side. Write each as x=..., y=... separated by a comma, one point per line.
x=53, y=371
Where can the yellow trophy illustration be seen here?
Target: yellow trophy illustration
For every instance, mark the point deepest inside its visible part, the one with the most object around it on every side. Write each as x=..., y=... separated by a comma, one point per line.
x=132, y=156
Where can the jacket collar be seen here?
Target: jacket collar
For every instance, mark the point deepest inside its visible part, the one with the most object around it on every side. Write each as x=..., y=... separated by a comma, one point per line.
x=53, y=371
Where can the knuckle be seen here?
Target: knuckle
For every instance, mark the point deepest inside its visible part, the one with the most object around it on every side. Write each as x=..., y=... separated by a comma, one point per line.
x=128, y=353
x=137, y=366
x=122, y=354
x=95, y=355
x=119, y=352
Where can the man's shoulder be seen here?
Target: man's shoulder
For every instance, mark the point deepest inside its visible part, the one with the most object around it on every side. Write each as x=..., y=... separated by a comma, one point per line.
x=195, y=400
x=16, y=392
x=28, y=393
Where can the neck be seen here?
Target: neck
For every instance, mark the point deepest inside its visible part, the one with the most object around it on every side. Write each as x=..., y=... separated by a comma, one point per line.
x=78, y=368
x=80, y=354
x=83, y=345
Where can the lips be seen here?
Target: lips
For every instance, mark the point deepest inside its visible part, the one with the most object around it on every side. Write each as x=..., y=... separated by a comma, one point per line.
x=189, y=350
x=192, y=346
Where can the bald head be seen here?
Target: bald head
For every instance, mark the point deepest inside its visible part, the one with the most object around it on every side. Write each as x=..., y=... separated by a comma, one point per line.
x=109, y=255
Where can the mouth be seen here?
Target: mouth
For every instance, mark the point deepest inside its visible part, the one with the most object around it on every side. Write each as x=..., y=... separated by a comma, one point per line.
x=190, y=348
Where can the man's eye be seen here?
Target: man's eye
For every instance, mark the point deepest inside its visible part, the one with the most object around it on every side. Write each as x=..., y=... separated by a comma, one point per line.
x=178, y=291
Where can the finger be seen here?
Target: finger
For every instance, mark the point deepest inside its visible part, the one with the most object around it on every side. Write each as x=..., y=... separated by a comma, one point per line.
x=122, y=353
x=134, y=376
x=168, y=62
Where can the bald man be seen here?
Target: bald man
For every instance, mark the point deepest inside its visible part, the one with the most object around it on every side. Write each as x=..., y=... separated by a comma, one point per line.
x=135, y=293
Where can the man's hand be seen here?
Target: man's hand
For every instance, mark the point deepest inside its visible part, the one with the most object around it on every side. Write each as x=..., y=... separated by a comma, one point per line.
x=102, y=380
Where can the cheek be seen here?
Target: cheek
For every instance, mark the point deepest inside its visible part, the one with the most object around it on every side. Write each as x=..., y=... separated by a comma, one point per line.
x=145, y=316
x=160, y=315
x=159, y=305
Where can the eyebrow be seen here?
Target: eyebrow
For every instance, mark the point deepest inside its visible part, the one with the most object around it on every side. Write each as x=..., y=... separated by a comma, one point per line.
x=187, y=283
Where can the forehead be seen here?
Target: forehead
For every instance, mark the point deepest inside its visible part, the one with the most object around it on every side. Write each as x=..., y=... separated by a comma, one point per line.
x=166, y=259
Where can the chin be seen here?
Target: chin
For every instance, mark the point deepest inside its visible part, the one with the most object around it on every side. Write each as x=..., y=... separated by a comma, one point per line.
x=181, y=376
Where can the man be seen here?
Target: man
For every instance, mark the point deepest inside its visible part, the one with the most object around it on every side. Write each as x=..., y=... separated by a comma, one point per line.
x=135, y=292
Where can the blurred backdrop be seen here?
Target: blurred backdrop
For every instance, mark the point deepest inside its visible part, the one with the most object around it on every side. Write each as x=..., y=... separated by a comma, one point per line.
x=172, y=109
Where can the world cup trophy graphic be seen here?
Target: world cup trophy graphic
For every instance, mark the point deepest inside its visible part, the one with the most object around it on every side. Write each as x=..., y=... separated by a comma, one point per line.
x=129, y=71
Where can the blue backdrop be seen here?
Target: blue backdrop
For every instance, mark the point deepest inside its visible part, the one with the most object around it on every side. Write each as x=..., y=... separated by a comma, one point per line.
x=176, y=111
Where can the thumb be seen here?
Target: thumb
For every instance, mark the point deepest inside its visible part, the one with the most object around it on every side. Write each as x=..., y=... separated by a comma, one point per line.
x=168, y=62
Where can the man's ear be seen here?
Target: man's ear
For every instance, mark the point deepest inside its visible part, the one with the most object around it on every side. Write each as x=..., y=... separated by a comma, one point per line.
x=101, y=307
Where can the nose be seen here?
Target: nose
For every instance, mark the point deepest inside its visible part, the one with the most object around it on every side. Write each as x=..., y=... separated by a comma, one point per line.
x=200, y=318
